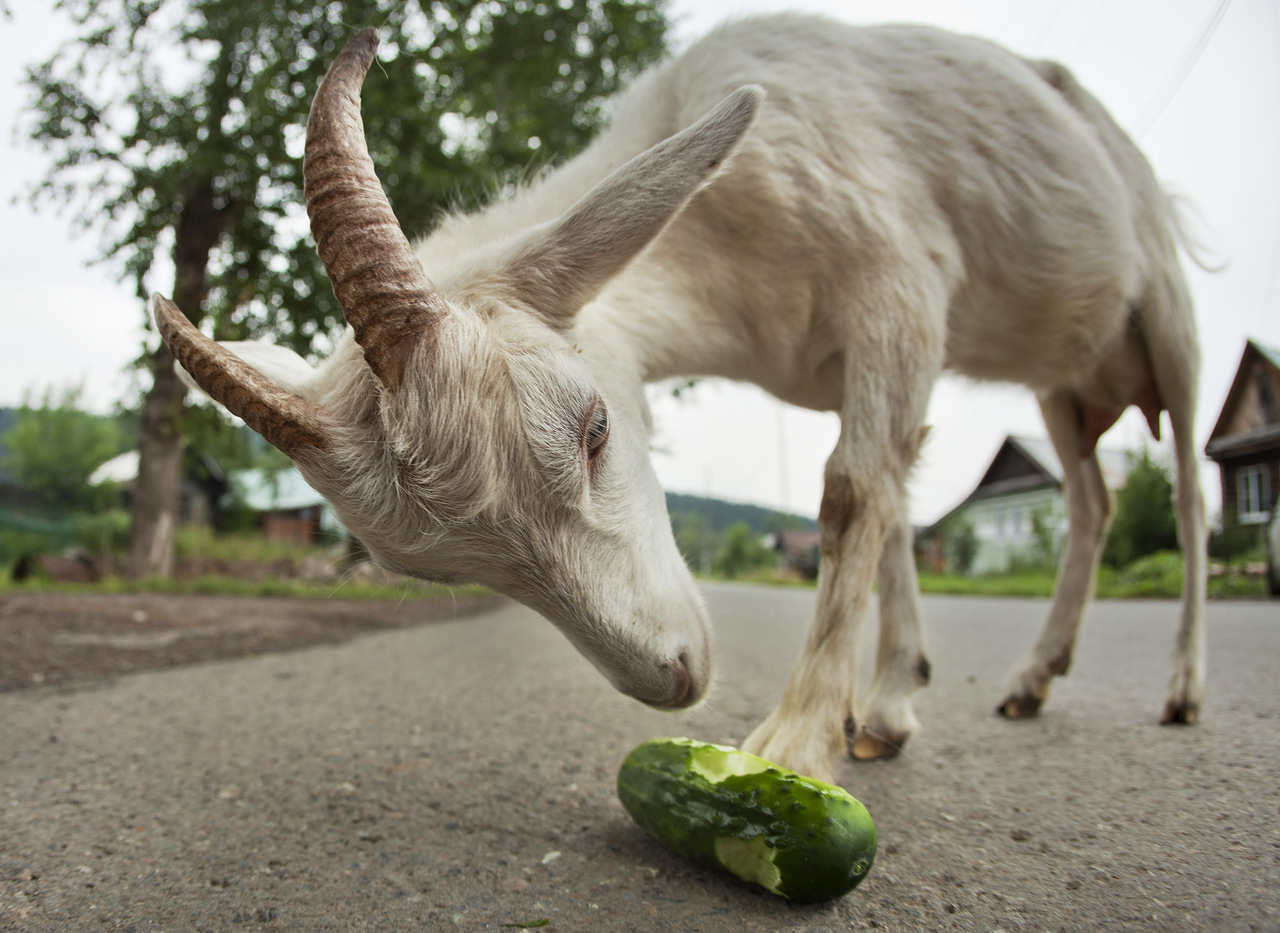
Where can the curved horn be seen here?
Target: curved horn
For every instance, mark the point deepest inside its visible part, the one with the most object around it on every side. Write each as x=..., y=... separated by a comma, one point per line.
x=383, y=291
x=288, y=421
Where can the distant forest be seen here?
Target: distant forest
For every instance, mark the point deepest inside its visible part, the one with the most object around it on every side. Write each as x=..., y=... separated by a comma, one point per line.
x=720, y=515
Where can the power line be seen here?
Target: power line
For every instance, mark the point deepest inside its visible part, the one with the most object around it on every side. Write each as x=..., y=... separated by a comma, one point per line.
x=1164, y=95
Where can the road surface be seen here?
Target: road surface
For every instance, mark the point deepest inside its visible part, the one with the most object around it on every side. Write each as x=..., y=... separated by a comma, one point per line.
x=459, y=776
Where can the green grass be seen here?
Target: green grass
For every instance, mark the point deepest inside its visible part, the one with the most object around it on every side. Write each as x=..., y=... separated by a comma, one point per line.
x=1158, y=576
x=201, y=542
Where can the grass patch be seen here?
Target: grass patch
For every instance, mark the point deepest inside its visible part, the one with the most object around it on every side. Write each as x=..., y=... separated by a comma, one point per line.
x=1158, y=576
x=1024, y=584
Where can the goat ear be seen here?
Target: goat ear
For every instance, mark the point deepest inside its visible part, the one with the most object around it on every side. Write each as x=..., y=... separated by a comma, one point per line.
x=565, y=265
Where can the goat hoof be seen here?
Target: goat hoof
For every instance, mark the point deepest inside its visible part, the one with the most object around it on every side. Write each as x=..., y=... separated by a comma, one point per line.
x=1180, y=714
x=1021, y=706
x=864, y=745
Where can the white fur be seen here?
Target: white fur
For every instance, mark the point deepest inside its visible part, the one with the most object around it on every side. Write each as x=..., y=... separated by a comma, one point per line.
x=906, y=201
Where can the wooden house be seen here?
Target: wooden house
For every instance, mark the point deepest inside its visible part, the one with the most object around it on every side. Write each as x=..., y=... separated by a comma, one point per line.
x=1016, y=511
x=1245, y=442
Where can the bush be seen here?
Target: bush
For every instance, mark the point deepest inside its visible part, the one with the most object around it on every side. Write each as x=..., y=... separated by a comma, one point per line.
x=1234, y=541
x=1144, y=520
x=103, y=532
x=741, y=552
x=1156, y=575
x=961, y=547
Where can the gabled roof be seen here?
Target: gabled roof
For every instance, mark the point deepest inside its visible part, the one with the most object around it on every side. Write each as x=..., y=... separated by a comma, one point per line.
x=1228, y=437
x=276, y=491
x=1022, y=464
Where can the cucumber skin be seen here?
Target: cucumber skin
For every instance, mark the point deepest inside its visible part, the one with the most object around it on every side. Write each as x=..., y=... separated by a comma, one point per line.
x=825, y=839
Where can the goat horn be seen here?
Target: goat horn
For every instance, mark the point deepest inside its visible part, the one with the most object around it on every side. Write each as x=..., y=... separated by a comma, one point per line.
x=288, y=421
x=384, y=293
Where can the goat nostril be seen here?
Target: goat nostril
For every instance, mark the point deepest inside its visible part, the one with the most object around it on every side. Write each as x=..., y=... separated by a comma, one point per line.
x=686, y=681
x=683, y=692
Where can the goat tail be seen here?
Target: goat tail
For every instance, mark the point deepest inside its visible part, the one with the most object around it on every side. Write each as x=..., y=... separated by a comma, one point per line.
x=1181, y=209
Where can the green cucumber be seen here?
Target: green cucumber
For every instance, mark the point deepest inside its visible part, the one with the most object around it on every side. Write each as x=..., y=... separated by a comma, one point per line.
x=795, y=836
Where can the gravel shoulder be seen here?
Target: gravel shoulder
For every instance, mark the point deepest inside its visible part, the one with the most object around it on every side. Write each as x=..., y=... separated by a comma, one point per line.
x=58, y=638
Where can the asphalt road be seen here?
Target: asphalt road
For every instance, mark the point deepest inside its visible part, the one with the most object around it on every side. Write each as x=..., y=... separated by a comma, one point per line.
x=459, y=776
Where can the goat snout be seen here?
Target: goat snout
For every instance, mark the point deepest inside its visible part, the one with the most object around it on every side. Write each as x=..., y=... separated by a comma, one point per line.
x=683, y=689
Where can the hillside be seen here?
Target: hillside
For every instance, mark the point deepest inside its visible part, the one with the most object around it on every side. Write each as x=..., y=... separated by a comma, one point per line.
x=720, y=515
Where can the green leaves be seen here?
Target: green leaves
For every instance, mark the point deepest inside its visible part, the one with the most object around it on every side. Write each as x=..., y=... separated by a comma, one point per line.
x=1144, y=521
x=54, y=447
x=156, y=102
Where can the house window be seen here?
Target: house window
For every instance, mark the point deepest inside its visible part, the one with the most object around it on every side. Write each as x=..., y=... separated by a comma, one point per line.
x=1253, y=494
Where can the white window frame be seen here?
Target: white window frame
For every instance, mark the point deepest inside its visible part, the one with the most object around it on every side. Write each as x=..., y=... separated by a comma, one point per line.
x=1253, y=494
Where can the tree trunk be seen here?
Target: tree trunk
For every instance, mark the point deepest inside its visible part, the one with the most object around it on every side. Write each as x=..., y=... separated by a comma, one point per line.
x=156, y=490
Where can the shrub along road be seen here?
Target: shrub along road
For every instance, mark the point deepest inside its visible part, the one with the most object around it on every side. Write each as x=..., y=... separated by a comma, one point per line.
x=460, y=775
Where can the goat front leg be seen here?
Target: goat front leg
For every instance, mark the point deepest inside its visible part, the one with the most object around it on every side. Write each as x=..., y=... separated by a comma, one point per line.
x=1186, y=689
x=885, y=718
x=807, y=730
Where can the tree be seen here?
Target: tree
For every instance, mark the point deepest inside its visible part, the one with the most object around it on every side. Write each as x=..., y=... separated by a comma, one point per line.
x=1044, y=533
x=1144, y=518
x=960, y=542
x=54, y=447
x=741, y=552
x=694, y=538
x=211, y=162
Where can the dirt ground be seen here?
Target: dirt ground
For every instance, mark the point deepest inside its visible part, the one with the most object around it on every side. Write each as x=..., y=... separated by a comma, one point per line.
x=58, y=638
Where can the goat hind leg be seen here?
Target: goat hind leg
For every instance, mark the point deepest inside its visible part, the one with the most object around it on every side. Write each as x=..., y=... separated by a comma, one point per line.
x=1088, y=517
x=885, y=719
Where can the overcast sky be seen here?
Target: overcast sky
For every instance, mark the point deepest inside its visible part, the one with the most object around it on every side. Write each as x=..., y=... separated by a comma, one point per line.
x=1196, y=82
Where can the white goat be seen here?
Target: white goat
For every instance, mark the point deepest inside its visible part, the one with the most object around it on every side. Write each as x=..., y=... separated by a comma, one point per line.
x=841, y=214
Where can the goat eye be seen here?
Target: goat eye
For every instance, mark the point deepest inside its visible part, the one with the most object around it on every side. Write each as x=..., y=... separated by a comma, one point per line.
x=597, y=430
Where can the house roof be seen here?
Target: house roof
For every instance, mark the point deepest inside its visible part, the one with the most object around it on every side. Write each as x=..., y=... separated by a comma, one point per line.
x=277, y=491
x=1041, y=467
x=1022, y=464
x=119, y=469
x=1238, y=430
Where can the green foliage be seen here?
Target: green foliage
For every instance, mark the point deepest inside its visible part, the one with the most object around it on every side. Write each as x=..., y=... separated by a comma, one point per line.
x=17, y=539
x=200, y=541
x=1144, y=517
x=1234, y=541
x=960, y=544
x=701, y=526
x=54, y=447
x=1028, y=583
x=694, y=538
x=720, y=515
x=163, y=115
x=1045, y=551
x=104, y=532
x=1155, y=577
x=1158, y=574
x=741, y=552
